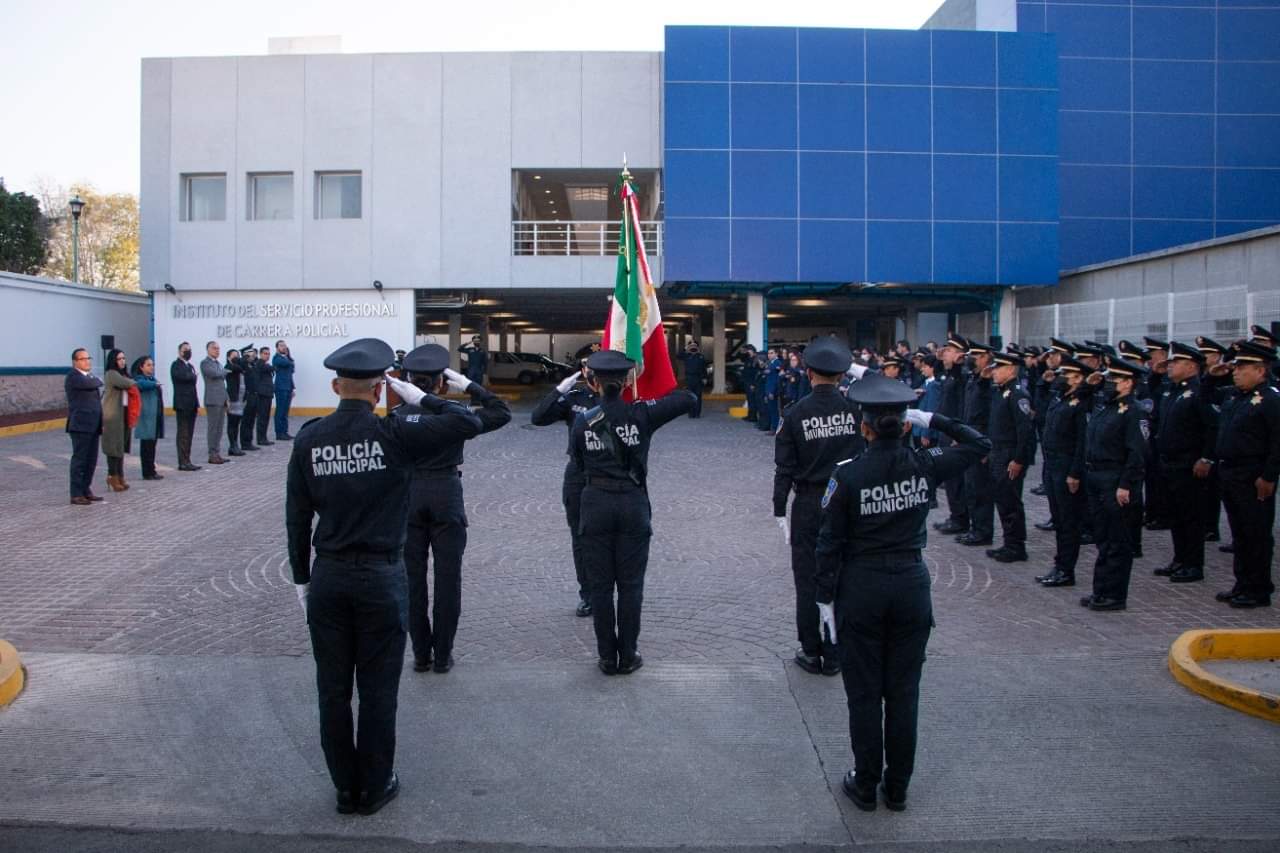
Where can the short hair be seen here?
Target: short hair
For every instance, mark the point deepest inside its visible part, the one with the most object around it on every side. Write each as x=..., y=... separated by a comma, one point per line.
x=183, y=344
x=75, y=352
x=211, y=343
x=278, y=343
x=264, y=349
x=361, y=385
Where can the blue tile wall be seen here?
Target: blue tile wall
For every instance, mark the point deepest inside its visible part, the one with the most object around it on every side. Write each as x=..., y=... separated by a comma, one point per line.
x=1170, y=123
x=828, y=155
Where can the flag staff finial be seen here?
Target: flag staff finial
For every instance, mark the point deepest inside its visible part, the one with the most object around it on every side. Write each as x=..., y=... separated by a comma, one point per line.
x=626, y=173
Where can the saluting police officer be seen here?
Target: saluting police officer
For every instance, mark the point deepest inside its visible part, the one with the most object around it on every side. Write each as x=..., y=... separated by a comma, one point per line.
x=1185, y=444
x=1115, y=457
x=1012, y=435
x=1065, y=426
x=1047, y=390
x=951, y=404
x=352, y=470
x=1248, y=465
x=564, y=403
x=817, y=432
x=873, y=584
x=610, y=446
x=1156, y=510
x=978, y=487
x=437, y=514
x=1216, y=382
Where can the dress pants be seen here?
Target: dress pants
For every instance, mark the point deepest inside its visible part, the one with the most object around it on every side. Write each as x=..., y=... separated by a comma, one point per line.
x=1113, y=530
x=979, y=493
x=263, y=418
x=233, y=429
x=616, y=533
x=356, y=612
x=571, y=497
x=284, y=399
x=806, y=521
x=148, y=454
x=1068, y=510
x=84, y=462
x=437, y=528
x=885, y=614
x=186, y=428
x=1212, y=512
x=696, y=391
x=248, y=420
x=1007, y=500
x=957, y=500
x=217, y=422
x=1251, y=522
x=1186, y=513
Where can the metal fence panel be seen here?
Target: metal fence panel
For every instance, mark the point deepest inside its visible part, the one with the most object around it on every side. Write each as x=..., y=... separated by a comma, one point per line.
x=1035, y=323
x=1139, y=316
x=972, y=325
x=1079, y=321
x=1220, y=314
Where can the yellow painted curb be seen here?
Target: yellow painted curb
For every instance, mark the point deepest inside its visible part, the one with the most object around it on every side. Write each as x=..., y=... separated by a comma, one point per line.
x=738, y=411
x=34, y=426
x=1243, y=644
x=12, y=676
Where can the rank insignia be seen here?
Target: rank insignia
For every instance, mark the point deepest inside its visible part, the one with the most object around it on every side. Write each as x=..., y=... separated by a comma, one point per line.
x=1256, y=400
x=1187, y=394
x=1124, y=407
x=1005, y=394
x=1073, y=402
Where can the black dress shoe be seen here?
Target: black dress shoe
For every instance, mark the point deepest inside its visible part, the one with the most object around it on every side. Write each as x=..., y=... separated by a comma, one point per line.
x=1211, y=537
x=189, y=467
x=1225, y=595
x=584, y=608
x=809, y=663
x=1046, y=525
x=250, y=447
x=1008, y=555
x=1059, y=579
x=1187, y=574
x=895, y=798
x=608, y=667
x=1088, y=539
x=235, y=452
x=862, y=797
x=830, y=666
x=1037, y=490
x=1086, y=600
x=1157, y=524
x=284, y=438
x=369, y=803
x=262, y=442
x=420, y=665
x=1229, y=548
x=626, y=667
x=1248, y=602
x=972, y=541
x=153, y=476
x=1166, y=571
x=1103, y=604
x=443, y=664
x=1054, y=572
x=948, y=527
x=346, y=802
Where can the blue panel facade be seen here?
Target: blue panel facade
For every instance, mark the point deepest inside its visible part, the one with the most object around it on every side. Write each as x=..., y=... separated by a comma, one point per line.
x=824, y=156
x=1170, y=124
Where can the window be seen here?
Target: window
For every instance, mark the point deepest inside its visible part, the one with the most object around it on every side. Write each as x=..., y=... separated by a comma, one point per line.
x=337, y=195
x=271, y=195
x=204, y=197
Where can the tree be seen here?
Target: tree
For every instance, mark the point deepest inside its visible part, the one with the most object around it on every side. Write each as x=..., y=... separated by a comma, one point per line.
x=108, y=236
x=23, y=233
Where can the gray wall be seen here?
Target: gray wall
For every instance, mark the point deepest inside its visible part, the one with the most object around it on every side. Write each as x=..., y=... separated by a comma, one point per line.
x=974, y=15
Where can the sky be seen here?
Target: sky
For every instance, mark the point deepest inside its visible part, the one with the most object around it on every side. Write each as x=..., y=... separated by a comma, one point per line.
x=69, y=73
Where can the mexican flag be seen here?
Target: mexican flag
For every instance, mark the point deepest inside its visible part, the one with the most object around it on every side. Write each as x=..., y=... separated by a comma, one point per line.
x=634, y=326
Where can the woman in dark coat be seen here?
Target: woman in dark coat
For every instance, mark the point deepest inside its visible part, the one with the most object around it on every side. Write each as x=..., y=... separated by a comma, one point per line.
x=115, y=428
x=150, y=426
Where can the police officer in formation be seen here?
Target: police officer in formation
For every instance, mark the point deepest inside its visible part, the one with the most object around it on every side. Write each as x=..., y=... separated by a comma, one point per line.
x=1215, y=382
x=978, y=485
x=437, y=515
x=563, y=405
x=1065, y=426
x=1012, y=434
x=348, y=499
x=873, y=588
x=951, y=404
x=821, y=429
x=610, y=446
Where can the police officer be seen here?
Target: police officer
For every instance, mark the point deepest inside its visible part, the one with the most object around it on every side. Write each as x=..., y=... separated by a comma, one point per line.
x=1115, y=458
x=951, y=404
x=352, y=470
x=695, y=373
x=610, y=446
x=248, y=420
x=1044, y=392
x=1065, y=425
x=749, y=374
x=437, y=516
x=873, y=584
x=978, y=486
x=477, y=359
x=817, y=432
x=1248, y=463
x=563, y=404
x=1157, y=511
x=1216, y=382
x=1185, y=445
x=1012, y=445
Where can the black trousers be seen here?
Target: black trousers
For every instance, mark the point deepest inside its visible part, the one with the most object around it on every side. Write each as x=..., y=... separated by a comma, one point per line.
x=616, y=531
x=1113, y=529
x=1007, y=500
x=1211, y=513
x=263, y=416
x=148, y=453
x=1186, y=514
x=186, y=427
x=1068, y=510
x=356, y=611
x=84, y=462
x=696, y=391
x=806, y=520
x=247, y=420
x=1158, y=506
x=979, y=495
x=1251, y=522
x=233, y=429
x=884, y=614
x=957, y=500
x=437, y=528
x=571, y=497
x=1048, y=491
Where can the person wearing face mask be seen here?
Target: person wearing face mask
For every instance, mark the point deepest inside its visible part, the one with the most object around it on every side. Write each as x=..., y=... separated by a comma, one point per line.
x=1216, y=383
x=563, y=405
x=249, y=374
x=235, y=400
x=215, y=401
x=951, y=404
x=978, y=487
x=150, y=426
x=1012, y=435
x=1115, y=458
x=186, y=405
x=1065, y=425
x=1045, y=392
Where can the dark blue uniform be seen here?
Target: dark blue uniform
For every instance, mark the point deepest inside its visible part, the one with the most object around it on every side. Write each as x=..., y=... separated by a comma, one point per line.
x=1188, y=433
x=1115, y=458
x=556, y=408
x=695, y=375
x=870, y=564
x=1248, y=450
x=979, y=490
x=615, y=525
x=477, y=362
x=352, y=470
x=1012, y=433
x=819, y=431
x=251, y=401
x=438, y=528
x=951, y=404
x=750, y=373
x=1065, y=427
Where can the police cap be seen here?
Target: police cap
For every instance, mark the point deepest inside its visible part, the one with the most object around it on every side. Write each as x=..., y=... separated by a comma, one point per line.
x=1128, y=349
x=1035, y=351
x=609, y=361
x=1007, y=359
x=827, y=356
x=361, y=359
x=1263, y=334
x=1125, y=369
x=428, y=358
x=1155, y=343
x=893, y=360
x=1059, y=345
x=1208, y=345
x=1014, y=349
x=1087, y=350
x=976, y=348
x=956, y=341
x=1185, y=352
x=879, y=391
x=1071, y=365
x=1253, y=352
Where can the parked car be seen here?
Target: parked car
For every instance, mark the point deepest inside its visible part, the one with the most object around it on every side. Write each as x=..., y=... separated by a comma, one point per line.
x=510, y=367
x=557, y=370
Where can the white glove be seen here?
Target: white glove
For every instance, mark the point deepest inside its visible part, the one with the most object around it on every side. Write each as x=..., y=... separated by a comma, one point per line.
x=785, y=527
x=303, y=590
x=827, y=621
x=569, y=381
x=856, y=370
x=457, y=382
x=411, y=394
x=915, y=417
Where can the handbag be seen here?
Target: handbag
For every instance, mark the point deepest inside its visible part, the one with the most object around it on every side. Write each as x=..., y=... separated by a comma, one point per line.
x=133, y=409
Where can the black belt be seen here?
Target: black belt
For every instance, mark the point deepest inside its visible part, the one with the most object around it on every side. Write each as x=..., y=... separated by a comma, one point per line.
x=806, y=486
x=355, y=555
x=1179, y=461
x=439, y=473
x=1245, y=462
x=612, y=484
x=1104, y=466
x=886, y=559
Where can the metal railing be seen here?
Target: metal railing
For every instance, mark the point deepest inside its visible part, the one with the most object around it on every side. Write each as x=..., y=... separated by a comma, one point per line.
x=1222, y=313
x=578, y=237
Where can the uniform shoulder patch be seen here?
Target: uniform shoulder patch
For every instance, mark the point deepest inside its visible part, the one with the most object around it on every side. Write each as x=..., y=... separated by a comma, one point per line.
x=935, y=451
x=832, y=485
x=1024, y=405
x=1145, y=427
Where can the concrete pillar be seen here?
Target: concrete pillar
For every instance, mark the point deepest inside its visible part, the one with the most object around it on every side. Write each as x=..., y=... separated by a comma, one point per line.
x=671, y=343
x=696, y=330
x=911, y=328
x=517, y=340
x=551, y=346
x=757, y=321
x=455, y=341
x=502, y=338
x=484, y=334
x=719, y=348
x=1008, y=319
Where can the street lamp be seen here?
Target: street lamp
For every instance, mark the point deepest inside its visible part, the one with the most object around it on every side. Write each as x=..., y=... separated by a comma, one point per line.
x=77, y=207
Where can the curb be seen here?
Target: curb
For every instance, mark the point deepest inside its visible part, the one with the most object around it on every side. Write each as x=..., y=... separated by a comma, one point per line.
x=738, y=411
x=12, y=675
x=34, y=426
x=1243, y=644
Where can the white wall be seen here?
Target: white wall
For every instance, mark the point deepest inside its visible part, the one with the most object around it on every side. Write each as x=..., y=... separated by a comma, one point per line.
x=43, y=320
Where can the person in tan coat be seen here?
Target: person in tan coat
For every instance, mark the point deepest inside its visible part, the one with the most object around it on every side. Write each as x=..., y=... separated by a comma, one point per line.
x=115, y=428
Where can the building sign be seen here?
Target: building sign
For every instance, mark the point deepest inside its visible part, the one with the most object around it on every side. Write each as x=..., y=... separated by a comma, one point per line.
x=284, y=319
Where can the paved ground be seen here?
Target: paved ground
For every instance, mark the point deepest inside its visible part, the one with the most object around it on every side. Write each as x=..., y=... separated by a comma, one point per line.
x=170, y=687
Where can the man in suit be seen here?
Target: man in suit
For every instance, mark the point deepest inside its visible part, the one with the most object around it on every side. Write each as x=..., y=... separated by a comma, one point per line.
x=282, y=361
x=84, y=425
x=186, y=405
x=215, y=400
x=266, y=390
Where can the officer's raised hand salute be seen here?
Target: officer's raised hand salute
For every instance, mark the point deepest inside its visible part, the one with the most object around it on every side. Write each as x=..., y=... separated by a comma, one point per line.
x=1012, y=431
x=351, y=469
x=872, y=581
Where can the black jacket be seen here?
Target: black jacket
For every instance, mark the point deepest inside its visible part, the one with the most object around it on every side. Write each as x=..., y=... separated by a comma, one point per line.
x=1010, y=422
x=235, y=371
x=183, y=375
x=1065, y=425
x=1249, y=434
x=817, y=432
x=1117, y=440
x=1188, y=424
x=264, y=378
x=597, y=456
x=84, y=402
x=493, y=413
x=564, y=408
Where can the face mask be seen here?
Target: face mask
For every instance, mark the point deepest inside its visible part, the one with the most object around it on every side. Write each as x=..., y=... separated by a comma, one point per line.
x=186, y=354
x=1110, y=389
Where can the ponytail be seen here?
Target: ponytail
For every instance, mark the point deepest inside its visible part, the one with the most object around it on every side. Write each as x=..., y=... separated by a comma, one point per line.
x=884, y=423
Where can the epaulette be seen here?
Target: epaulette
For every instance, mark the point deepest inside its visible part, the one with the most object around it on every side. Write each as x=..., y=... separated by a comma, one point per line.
x=307, y=424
